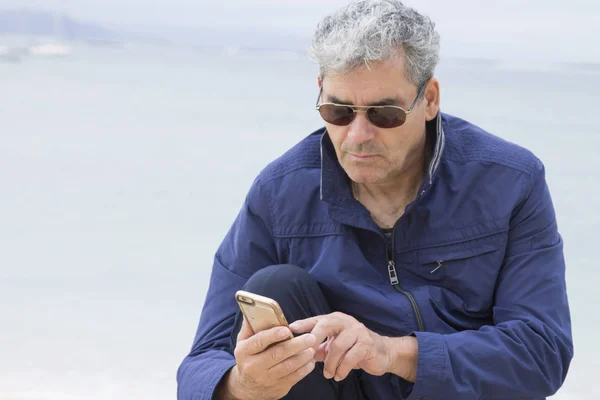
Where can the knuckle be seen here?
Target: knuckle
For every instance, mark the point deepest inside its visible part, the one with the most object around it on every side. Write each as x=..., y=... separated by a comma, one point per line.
x=276, y=353
x=362, y=335
x=241, y=353
x=296, y=342
x=326, y=325
x=309, y=353
x=307, y=340
x=321, y=322
x=257, y=343
x=237, y=353
x=288, y=366
x=308, y=368
x=301, y=345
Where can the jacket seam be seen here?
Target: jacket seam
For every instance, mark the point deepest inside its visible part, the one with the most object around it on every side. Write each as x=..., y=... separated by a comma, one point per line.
x=453, y=242
x=263, y=190
x=285, y=249
x=279, y=175
x=307, y=235
x=488, y=161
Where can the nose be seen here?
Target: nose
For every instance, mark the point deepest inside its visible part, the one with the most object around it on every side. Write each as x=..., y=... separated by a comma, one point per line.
x=361, y=130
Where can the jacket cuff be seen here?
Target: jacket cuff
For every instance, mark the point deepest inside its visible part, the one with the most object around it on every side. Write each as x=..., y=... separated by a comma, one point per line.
x=431, y=366
x=221, y=370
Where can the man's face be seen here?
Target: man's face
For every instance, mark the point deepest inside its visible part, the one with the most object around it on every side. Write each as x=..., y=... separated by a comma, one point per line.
x=367, y=153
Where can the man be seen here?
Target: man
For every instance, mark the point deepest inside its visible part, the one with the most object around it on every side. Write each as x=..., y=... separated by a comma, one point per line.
x=416, y=254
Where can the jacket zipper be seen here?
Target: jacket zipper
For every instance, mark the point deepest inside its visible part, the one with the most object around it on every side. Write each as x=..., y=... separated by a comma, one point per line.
x=391, y=266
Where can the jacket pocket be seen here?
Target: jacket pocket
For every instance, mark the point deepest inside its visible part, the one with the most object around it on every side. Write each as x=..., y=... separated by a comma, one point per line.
x=467, y=269
x=437, y=260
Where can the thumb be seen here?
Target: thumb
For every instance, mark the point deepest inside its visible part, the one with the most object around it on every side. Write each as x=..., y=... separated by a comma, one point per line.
x=245, y=331
x=323, y=349
x=321, y=352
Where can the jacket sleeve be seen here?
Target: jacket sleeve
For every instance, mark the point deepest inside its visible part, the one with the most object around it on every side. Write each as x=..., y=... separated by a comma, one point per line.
x=247, y=247
x=527, y=351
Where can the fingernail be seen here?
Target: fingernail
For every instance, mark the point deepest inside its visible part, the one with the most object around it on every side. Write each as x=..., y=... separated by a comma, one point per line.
x=283, y=332
x=294, y=325
x=327, y=375
x=310, y=339
x=337, y=379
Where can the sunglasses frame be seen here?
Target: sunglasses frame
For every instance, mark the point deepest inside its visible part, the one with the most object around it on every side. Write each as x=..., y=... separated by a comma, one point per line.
x=365, y=109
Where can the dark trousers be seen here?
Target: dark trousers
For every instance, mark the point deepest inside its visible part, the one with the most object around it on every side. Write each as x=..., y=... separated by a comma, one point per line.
x=300, y=297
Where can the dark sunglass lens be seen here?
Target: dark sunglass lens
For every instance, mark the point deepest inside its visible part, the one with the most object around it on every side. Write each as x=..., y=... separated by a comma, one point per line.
x=336, y=115
x=386, y=117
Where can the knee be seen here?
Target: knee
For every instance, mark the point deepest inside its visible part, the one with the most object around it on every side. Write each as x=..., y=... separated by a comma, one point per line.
x=276, y=281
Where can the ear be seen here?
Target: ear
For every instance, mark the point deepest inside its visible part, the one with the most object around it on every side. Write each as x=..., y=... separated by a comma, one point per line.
x=432, y=99
x=319, y=81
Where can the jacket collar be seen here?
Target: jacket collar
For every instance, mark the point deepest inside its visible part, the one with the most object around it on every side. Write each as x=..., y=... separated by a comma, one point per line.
x=335, y=187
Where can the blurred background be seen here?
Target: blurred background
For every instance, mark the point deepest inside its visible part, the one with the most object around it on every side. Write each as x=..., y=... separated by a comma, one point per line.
x=130, y=132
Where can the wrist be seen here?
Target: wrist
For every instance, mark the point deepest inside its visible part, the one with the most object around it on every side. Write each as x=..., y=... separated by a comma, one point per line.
x=226, y=389
x=404, y=357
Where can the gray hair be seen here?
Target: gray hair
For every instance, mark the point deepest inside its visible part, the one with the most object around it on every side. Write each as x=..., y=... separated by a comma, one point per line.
x=369, y=31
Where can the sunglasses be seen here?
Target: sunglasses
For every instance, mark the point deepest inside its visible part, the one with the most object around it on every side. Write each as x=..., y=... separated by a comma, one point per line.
x=385, y=117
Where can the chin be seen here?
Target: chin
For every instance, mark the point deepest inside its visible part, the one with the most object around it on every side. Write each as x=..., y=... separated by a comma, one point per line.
x=365, y=175
x=366, y=172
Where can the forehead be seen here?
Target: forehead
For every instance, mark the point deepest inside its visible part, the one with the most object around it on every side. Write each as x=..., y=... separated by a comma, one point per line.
x=369, y=85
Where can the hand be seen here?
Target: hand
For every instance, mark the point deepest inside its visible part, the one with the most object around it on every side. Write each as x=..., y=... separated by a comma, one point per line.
x=350, y=345
x=267, y=372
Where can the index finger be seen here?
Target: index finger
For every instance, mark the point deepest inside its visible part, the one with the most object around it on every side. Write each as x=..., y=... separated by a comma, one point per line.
x=305, y=325
x=327, y=327
x=260, y=341
x=245, y=331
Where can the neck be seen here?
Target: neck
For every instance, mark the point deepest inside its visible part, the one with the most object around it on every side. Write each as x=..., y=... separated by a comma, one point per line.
x=400, y=191
x=387, y=200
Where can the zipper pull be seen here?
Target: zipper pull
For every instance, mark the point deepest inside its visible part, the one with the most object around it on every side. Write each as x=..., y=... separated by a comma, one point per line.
x=392, y=272
x=438, y=266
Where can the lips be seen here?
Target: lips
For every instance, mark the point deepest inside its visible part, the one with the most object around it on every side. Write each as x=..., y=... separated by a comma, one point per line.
x=363, y=155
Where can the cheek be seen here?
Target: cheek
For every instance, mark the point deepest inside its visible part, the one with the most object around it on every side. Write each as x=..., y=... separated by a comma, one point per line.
x=392, y=142
x=398, y=146
x=337, y=134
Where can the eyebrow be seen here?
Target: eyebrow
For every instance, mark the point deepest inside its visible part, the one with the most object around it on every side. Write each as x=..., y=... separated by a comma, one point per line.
x=388, y=101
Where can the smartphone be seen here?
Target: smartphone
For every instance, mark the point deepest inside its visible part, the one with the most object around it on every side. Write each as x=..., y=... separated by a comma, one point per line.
x=261, y=312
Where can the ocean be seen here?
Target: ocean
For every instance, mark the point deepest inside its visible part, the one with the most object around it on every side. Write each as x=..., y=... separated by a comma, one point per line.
x=122, y=168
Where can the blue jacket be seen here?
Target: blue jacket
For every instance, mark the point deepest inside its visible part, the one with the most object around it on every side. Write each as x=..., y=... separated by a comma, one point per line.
x=476, y=270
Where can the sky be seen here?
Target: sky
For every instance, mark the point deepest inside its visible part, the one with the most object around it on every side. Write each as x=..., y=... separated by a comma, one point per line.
x=552, y=28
